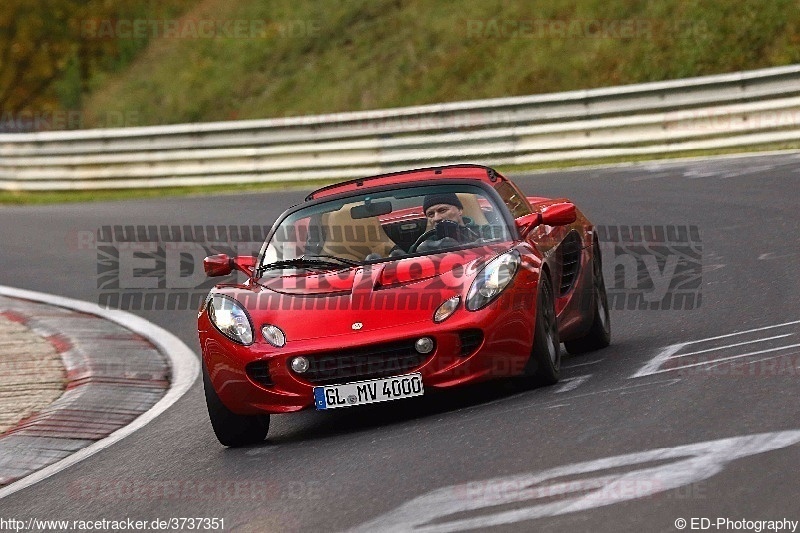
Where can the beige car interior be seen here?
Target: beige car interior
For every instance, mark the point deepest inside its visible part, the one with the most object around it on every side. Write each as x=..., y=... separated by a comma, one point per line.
x=354, y=239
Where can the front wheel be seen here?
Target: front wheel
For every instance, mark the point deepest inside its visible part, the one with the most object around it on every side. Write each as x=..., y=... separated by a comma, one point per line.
x=544, y=366
x=231, y=429
x=599, y=334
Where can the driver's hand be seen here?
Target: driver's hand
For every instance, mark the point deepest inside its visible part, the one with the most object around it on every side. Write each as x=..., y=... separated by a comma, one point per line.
x=437, y=244
x=447, y=229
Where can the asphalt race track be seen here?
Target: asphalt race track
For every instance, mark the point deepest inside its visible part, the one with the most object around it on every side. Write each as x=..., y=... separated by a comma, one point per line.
x=718, y=437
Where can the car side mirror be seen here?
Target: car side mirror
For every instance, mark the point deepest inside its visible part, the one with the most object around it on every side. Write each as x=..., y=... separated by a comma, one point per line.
x=217, y=265
x=559, y=214
x=222, y=265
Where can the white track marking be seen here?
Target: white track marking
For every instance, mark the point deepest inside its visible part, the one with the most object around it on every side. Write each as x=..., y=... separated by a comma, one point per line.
x=716, y=364
x=653, y=366
x=569, y=384
x=655, y=363
x=584, y=364
x=632, y=388
x=184, y=366
x=731, y=345
x=771, y=255
x=745, y=332
x=547, y=493
x=723, y=359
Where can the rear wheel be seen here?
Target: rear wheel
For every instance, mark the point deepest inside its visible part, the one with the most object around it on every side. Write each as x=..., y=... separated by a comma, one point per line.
x=599, y=334
x=232, y=429
x=544, y=366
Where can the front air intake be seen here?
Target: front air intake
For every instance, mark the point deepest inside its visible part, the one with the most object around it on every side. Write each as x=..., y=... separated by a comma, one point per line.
x=570, y=251
x=471, y=339
x=258, y=371
x=364, y=362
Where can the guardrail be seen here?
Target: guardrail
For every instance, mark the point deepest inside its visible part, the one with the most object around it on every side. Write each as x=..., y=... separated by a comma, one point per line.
x=728, y=110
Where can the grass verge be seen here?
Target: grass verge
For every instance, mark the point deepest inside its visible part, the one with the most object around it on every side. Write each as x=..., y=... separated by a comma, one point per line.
x=299, y=57
x=103, y=195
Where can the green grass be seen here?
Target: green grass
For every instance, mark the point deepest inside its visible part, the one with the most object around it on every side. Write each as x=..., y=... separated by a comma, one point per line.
x=104, y=195
x=346, y=55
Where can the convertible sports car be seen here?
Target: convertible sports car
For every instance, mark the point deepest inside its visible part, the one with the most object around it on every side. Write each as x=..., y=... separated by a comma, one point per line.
x=387, y=287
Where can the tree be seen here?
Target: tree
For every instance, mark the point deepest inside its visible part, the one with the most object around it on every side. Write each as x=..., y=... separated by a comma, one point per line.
x=36, y=41
x=49, y=48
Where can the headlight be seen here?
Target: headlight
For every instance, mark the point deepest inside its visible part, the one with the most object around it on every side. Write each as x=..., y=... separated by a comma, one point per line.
x=492, y=280
x=231, y=319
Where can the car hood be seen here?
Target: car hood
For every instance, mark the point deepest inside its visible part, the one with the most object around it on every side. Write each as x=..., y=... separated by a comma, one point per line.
x=365, y=298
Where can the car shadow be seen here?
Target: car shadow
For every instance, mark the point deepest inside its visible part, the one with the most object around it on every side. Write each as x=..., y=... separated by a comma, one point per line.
x=308, y=426
x=311, y=426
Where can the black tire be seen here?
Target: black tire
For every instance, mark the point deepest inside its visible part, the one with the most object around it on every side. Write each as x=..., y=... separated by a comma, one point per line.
x=544, y=366
x=599, y=334
x=231, y=429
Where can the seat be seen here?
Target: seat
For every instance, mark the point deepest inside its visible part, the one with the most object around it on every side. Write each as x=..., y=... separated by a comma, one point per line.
x=472, y=209
x=354, y=239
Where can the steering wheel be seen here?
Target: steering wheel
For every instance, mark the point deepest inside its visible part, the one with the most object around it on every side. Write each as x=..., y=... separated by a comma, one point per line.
x=422, y=238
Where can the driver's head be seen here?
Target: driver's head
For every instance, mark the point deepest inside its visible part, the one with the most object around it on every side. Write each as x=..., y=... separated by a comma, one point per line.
x=443, y=206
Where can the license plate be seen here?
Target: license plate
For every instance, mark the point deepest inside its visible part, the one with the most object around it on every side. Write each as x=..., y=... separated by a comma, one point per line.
x=370, y=391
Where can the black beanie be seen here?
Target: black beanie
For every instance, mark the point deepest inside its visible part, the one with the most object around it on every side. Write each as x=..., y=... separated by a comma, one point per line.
x=448, y=198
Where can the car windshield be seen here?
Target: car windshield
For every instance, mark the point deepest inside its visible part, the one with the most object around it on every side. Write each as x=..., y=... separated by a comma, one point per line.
x=380, y=226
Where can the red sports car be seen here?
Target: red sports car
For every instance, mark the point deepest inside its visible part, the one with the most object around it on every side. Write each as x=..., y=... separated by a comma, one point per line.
x=383, y=288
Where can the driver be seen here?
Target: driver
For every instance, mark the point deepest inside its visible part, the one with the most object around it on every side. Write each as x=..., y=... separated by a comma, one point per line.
x=443, y=206
x=450, y=227
x=447, y=206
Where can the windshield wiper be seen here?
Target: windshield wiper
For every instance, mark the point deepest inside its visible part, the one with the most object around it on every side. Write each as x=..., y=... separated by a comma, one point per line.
x=307, y=263
x=341, y=260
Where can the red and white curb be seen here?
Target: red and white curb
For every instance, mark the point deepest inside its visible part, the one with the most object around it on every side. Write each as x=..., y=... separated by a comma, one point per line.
x=123, y=372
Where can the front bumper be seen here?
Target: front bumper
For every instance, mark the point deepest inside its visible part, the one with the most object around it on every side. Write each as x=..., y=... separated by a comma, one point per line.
x=507, y=337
